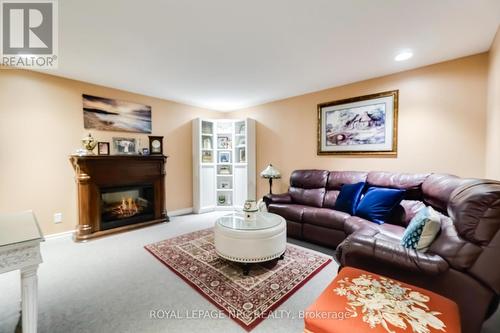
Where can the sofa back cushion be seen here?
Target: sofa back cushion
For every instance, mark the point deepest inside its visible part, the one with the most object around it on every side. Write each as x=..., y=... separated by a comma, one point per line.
x=410, y=209
x=471, y=238
x=307, y=187
x=335, y=181
x=413, y=197
x=410, y=182
x=480, y=228
x=475, y=210
x=437, y=189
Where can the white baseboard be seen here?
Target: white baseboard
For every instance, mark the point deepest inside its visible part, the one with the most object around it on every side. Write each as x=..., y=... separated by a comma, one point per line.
x=60, y=234
x=178, y=212
x=171, y=213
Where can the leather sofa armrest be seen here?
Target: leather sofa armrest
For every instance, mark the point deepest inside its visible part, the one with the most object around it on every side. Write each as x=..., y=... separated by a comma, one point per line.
x=364, y=247
x=283, y=198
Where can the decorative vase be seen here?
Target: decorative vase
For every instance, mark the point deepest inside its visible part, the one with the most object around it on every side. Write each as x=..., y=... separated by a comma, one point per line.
x=250, y=210
x=222, y=199
x=89, y=144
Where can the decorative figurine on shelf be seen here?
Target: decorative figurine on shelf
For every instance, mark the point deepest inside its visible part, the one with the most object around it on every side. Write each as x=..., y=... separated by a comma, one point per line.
x=270, y=173
x=207, y=143
x=222, y=199
x=88, y=144
x=250, y=209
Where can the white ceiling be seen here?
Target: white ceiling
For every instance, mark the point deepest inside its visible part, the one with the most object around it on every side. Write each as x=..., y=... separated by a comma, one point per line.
x=230, y=54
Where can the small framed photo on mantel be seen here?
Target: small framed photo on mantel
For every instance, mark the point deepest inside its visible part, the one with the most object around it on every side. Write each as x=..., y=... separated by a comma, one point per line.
x=103, y=148
x=364, y=125
x=125, y=146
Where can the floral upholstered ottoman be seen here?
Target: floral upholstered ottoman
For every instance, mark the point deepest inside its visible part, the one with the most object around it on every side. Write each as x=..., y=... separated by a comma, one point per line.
x=358, y=301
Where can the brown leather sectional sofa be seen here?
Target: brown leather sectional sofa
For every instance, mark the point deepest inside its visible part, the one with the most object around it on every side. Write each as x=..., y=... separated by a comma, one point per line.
x=463, y=263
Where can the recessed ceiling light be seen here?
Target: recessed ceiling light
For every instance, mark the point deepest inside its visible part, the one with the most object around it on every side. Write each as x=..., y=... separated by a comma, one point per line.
x=404, y=55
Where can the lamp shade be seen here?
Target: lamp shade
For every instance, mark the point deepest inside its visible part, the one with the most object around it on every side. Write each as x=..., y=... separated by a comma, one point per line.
x=270, y=172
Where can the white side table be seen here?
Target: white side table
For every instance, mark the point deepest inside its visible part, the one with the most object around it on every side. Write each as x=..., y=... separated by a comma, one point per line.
x=20, y=238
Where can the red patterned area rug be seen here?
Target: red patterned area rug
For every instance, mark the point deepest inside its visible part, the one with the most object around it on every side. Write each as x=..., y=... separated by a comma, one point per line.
x=246, y=299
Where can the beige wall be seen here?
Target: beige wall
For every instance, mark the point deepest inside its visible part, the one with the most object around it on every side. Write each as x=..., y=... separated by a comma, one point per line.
x=41, y=123
x=442, y=126
x=493, y=132
x=442, y=121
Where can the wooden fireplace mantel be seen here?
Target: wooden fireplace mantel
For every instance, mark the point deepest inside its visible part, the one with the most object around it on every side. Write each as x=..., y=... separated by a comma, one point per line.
x=94, y=172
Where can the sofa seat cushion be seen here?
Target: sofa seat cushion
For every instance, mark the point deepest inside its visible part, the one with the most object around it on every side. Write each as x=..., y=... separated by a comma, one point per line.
x=387, y=231
x=354, y=223
x=393, y=231
x=289, y=212
x=325, y=217
x=336, y=179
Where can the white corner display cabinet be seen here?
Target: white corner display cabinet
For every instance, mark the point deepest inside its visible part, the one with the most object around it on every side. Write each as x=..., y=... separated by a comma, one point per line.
x=223, y=163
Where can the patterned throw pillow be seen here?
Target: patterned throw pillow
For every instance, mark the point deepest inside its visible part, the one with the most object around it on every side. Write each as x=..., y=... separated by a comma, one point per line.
x=422, y=230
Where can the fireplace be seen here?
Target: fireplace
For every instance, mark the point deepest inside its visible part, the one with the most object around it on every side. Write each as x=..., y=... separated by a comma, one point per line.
x=126, y=205
x=118, y=193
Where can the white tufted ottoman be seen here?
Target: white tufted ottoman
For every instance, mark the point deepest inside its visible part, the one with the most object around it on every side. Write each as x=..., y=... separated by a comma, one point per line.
x=250, y=241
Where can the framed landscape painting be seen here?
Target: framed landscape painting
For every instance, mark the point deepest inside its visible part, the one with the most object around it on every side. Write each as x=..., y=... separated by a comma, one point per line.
x=108, y=114
x=365, y=125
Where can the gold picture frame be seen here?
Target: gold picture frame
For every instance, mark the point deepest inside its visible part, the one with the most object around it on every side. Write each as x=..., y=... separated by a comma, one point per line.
x=364, y=125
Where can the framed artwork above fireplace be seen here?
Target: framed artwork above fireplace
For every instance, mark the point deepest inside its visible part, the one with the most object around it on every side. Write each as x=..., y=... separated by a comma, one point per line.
x=107, y=114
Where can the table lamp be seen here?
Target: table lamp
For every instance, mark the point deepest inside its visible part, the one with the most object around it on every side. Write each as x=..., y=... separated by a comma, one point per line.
x=270, y=173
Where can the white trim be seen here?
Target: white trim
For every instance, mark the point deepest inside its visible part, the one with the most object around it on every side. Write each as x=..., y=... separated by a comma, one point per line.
x=183, y=211
x=68, y=233
x=206, y=209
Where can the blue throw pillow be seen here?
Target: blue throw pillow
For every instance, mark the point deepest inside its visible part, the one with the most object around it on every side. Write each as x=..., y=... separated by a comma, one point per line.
x=378, y=202
x=349, y=197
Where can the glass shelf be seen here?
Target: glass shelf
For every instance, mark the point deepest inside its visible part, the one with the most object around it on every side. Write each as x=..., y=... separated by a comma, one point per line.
x=237, y=221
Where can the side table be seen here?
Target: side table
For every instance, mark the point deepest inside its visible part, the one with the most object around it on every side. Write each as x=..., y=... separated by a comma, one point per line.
x=20, y=238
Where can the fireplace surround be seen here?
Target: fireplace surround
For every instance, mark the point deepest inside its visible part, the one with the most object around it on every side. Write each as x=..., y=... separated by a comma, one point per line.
x=118, y=192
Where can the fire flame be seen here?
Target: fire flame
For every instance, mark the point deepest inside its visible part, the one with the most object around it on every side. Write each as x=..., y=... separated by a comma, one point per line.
x=128, y=207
